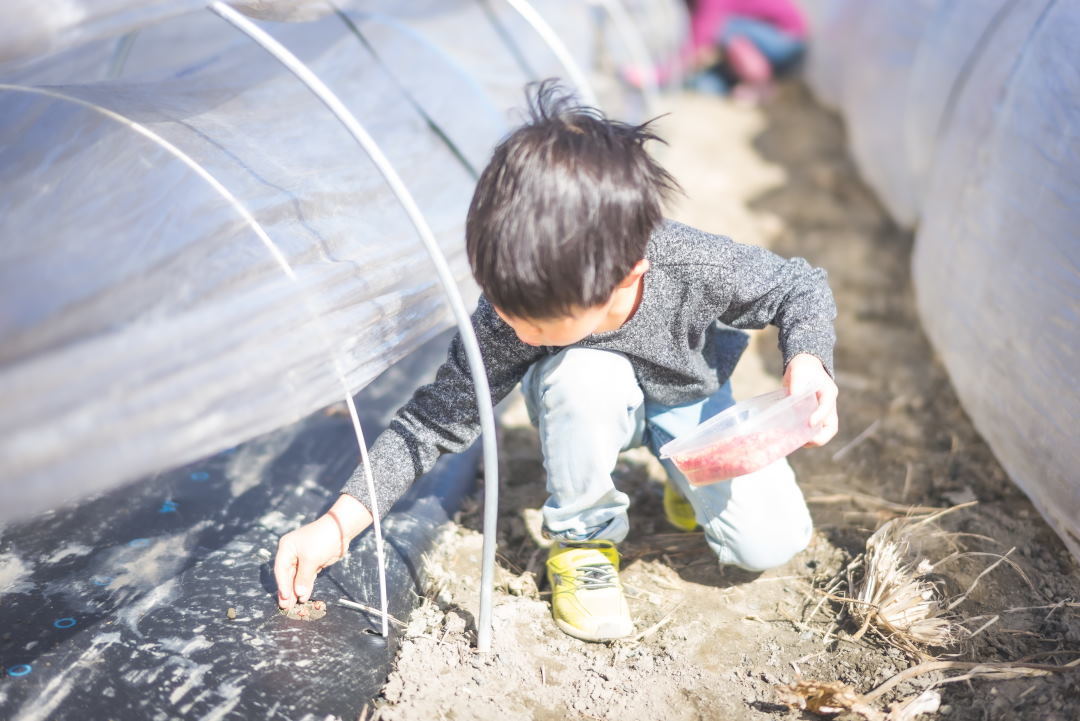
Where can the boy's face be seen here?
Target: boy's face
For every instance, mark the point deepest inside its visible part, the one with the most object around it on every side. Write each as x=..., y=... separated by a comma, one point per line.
x=583, y=322
x=560, y=332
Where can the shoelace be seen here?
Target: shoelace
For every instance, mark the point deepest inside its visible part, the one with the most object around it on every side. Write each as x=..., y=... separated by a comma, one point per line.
x=593, y=578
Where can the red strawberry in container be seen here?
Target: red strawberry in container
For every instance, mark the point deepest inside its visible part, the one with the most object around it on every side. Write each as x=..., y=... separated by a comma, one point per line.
x=744, y=438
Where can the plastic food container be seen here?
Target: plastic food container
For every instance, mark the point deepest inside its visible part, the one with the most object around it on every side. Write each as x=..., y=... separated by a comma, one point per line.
x=744, y=438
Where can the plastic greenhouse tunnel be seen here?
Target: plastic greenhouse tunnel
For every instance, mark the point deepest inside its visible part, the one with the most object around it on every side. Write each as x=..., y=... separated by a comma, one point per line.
x=963, y=119
x=233, y=244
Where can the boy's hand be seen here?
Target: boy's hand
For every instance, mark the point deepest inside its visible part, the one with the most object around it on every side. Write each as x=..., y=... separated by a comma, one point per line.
x=805, y=373
x=309, y=549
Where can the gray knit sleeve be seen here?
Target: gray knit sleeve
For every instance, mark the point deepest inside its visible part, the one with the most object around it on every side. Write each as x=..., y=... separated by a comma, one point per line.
x=442, y=417
x=760, y=288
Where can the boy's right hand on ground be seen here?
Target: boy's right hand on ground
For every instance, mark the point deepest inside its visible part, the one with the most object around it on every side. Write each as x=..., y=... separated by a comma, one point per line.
x=309, y=549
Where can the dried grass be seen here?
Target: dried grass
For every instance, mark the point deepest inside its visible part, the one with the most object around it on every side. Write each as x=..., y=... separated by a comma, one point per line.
x=896, y=591
x=830, y=698
x=656, y=626
x=892, y=587
x=834, y=698
x=368, y=609
x=895, y=594
x=992, y=670
x=825, y=698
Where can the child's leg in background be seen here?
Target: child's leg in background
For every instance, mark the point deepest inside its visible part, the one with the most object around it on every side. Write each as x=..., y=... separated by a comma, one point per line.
x=753, y=52
x=781, y=49
x=756, y=521
x=588, y=407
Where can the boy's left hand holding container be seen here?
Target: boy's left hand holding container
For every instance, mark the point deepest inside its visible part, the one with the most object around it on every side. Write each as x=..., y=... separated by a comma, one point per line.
x=309, y=549
x=806, y=373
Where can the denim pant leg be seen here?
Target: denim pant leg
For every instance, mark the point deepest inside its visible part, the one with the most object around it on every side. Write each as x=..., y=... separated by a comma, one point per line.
x=780, y=48
x=588, y=407
x=756, y=521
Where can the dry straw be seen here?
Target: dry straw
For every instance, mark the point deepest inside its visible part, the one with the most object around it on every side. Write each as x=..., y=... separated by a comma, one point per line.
x=897, y=595
x=893, y=587
x=895, y=591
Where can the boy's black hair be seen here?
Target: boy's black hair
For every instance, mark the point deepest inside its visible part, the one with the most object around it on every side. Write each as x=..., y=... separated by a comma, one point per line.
x=564, y=209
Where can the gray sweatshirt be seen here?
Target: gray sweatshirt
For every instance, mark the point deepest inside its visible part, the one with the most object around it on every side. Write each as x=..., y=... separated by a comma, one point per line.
x=682, y=343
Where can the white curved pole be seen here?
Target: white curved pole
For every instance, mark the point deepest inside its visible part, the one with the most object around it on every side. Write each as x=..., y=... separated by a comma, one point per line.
x=639, y=53
x=468, y=337
x=562, y=54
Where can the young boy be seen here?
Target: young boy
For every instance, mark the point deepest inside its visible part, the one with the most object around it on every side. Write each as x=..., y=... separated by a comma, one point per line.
x=621, y=328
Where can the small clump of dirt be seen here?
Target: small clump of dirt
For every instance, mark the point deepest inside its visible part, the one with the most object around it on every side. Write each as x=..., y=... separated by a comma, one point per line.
x=307, y=611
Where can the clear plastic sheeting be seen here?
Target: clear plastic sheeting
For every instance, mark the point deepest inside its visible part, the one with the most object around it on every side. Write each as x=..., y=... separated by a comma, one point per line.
x=488, y=60
x=864, y=69
x=997, y=264
x=195, y=251
x=876, y=96
x=830, y=56
x=991, y=121
x=504, y=50
x=951, y=44
x=662, y=26
x=32, y=28
x=147, y=321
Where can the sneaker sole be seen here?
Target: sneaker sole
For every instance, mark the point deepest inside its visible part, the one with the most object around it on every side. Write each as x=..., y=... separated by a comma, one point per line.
x=606, y=631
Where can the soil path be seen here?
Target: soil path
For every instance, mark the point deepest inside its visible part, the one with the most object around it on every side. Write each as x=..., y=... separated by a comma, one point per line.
x=713, y=643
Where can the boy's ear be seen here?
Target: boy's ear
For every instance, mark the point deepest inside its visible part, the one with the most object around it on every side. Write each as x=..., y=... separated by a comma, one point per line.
x=640, y=268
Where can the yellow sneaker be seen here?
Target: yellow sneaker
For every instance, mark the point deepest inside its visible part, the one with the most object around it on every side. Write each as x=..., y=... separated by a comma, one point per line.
x=587, y=599
x=678, y=510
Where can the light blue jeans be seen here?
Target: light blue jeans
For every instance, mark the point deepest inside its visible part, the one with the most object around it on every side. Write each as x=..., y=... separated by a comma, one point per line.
x=783, y=51
x=780, y=49
x=589, y=407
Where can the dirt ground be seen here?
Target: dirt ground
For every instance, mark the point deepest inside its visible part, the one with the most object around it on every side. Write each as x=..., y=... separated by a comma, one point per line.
x=714, y=643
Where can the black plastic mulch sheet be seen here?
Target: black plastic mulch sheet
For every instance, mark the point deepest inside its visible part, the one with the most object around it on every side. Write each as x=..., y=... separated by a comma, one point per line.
x=157, y=601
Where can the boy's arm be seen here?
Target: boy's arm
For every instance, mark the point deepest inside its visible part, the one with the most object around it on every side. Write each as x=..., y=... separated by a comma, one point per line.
x=762, y=288
x=757, y=288
x=441, y=417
